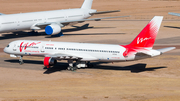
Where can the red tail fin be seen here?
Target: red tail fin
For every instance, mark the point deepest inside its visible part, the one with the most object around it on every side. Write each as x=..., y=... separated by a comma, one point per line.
x=147, y=36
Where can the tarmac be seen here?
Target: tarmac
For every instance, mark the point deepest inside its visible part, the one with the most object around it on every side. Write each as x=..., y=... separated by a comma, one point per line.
x=153, y=79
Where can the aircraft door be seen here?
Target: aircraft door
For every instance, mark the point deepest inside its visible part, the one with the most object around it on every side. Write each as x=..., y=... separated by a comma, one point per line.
x=15, y=47
x=65, y=16
x=18, y=23
x=42, y=48
x=0, y=25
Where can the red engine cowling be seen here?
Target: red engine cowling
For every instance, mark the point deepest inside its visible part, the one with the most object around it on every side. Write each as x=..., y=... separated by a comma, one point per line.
x=49, y=61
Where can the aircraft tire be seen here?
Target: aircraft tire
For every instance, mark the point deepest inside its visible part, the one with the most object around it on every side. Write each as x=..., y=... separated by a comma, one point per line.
x=69, y=68
x=21, y=63
x=73, y=68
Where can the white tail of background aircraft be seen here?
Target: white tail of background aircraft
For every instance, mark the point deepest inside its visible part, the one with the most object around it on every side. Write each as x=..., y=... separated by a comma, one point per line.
x=87, y=4
x=83, y=53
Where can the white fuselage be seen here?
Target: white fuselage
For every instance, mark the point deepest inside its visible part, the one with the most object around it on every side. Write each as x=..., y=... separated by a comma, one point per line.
x=82, y=51
x=26, y=21
x=88, y=52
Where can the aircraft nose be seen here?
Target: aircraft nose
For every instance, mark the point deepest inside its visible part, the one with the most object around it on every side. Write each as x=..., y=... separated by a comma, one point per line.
x=5, y=50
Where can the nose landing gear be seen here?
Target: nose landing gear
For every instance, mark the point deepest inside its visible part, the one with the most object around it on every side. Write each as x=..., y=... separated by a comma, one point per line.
x=21, y=60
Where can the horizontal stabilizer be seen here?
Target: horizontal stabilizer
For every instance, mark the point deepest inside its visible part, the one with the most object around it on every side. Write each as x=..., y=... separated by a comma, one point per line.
x=175, y=14
x=163, y=50
x=103, y=12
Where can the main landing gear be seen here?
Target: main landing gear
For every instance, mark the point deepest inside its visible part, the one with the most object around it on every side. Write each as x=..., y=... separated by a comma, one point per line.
x=71, y=67
x=21, y=60
x=78, y=64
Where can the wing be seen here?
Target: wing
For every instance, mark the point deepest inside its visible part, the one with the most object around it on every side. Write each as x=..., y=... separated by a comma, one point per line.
x=75, y=56
x=175, y=14
x=65, y=23
x=103, y=12
x=38, y=26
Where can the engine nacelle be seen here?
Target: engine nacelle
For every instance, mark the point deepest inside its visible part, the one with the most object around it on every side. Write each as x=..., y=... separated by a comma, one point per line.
x=49, y=61
x=53, y=29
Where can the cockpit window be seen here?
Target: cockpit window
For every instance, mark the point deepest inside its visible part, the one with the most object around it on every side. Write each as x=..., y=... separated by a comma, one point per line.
x=7, y=46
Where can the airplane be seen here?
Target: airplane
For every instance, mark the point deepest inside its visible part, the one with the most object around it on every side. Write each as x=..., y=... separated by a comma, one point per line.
x=51, y=21
x=83, y=53
x=175, y=14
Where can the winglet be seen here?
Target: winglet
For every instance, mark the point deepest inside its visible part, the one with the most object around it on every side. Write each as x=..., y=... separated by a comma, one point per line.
x=87, y=4
x=163, y=50
x=147, y=36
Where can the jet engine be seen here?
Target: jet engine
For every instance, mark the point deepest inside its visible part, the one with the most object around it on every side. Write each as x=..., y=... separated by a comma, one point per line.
x=53, y=29
x=49, y=61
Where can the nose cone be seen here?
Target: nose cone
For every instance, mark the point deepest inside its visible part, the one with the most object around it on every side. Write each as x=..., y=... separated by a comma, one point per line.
x=5, y=50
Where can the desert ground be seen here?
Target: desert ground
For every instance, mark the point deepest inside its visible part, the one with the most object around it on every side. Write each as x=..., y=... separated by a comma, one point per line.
x=153, y=79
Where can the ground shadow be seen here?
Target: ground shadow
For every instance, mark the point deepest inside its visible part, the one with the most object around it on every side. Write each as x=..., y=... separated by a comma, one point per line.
x=25, y=61
x=21, y=34
x=136, y=68
x=172, y=27
x=58, y=67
